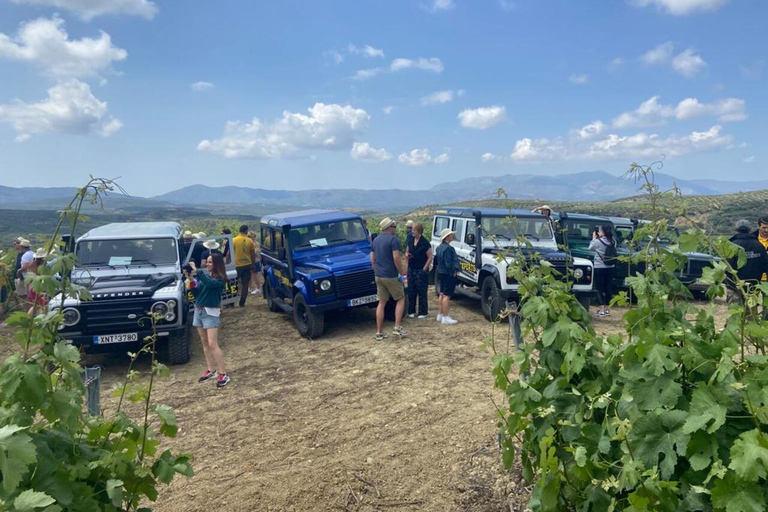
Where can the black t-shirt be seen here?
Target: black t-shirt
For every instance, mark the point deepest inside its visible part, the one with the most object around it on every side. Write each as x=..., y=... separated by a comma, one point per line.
x=419, y=253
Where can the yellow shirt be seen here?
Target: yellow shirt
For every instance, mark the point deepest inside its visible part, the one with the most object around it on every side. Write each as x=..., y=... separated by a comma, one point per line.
x=243, y=247
x=763, y=241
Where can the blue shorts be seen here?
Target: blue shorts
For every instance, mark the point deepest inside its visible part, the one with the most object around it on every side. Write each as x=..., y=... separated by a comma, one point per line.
x=204, y=320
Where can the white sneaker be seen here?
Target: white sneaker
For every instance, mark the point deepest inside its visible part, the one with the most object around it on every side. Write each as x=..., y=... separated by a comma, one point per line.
x=439, y=317
x=411, y=315
x=422, y=317
x=448, y=321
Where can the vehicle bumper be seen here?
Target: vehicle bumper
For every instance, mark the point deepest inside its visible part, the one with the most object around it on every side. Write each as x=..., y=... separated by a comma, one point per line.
x=87, y=341
x=340, y=304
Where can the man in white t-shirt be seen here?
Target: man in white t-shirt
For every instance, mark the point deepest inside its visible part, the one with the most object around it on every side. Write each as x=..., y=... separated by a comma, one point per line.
x=27, y=257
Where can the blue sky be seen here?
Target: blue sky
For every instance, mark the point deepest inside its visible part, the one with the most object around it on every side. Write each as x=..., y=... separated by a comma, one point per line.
x=377, y=93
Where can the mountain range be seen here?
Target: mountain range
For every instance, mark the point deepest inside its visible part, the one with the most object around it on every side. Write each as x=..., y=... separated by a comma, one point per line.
x=582, y=186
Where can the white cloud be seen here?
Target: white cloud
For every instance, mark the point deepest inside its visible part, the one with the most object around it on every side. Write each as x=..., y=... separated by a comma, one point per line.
x=418, y=157
x=70, y=108
x=482, y=118
x=89, y=9
x=579, y=79
x=659, y=55
x=440, y=97
x=330, y=127
x=388, y=109
x=615, y=147
x=490, y=157
x=44, y=43
x=335, y=56
x=653, y=113
x=111, y=127
x=591, y=130
x=442, y=5
x=366, y=50
x=432, y=64
x=616, y=64
x=682, y=7
x=753, y=70
x=364, y=152
x=201, y=86
x=750, y=159
x=365, y=74
x=688, y=63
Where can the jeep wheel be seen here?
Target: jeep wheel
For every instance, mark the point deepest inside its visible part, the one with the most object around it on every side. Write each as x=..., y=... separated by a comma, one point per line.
x=490, y=299
x=310, y=324
x=178, y=346
x=269, y=296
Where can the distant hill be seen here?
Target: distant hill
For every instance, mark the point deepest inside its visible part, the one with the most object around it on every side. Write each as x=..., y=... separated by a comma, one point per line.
x=582, y=186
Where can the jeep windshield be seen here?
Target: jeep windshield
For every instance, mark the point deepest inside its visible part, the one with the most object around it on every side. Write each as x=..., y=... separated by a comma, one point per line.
x=507, y=229
x=327, y=233
x=113, y=253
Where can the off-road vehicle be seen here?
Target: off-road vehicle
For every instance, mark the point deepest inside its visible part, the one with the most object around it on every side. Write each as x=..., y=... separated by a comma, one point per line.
x=486, y=241
x=316, y=261
x=131, y=270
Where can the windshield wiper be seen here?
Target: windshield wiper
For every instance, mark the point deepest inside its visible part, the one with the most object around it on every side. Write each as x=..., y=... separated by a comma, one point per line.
x=532, y=236
x=143, y=261
x=99, y=264
x=495, y=235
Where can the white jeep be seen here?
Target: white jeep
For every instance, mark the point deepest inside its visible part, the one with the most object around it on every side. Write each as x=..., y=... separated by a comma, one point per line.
x=495, y=232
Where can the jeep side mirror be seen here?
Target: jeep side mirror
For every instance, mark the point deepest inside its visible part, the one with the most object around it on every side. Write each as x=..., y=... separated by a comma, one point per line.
x=281, y=253
x=471, y=238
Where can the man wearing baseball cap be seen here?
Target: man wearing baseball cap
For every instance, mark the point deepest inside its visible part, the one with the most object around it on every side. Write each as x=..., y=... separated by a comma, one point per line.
x=387, y=266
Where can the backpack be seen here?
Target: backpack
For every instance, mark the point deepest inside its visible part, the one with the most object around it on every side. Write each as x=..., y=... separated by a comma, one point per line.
x=610, y=254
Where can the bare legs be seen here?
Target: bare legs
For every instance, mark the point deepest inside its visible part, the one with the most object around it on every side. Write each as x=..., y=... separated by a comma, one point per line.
x=214, y=357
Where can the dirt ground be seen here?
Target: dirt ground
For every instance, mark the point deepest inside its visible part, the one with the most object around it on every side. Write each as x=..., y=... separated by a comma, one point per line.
x=340, y=423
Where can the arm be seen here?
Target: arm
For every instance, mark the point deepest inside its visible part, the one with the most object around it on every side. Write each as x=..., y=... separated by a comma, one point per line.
x=398, y=264
x=253, y=253
x=209, y=282
x=456, y=264
x=429, y=259
x=594, y=244
x=373, y=260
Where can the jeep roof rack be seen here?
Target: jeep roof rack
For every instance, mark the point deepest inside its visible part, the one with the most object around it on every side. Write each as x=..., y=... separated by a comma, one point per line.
x=471, y=213
x=307, y=217
x=133, y=230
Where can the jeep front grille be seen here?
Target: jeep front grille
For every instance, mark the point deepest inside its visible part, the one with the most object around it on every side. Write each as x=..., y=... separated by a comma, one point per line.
x=355, y=284
x=108, y=315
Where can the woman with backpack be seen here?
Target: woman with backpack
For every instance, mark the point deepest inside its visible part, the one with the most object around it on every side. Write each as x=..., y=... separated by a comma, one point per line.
x=604, y=246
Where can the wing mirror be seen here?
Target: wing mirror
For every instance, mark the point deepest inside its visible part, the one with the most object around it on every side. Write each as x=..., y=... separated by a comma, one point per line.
x=471, y=238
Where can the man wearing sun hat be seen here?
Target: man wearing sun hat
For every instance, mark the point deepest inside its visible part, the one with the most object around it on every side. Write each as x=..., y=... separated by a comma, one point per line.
x=387, y=266
x=25, y=261
x=447, y=269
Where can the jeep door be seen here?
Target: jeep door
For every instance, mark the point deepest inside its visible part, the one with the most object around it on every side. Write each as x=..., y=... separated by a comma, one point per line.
x=467, y=253
x=274, y=257
x=231, y=287
x=463, y=251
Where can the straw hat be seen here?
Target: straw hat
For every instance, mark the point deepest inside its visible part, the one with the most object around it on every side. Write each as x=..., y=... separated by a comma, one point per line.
x=200, y=235
x=211, y=245
x=545, y=207
x=386, y=223
x=24, y=243
x=188, y=235
x=444, y=233
x=409, y=223
x=41, y=253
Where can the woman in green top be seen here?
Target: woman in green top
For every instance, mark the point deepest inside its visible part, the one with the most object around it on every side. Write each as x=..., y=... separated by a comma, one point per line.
x=207, y=292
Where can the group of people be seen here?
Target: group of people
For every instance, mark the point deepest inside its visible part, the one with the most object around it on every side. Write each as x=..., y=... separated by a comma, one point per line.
x=755, y=245
x=13, y=281
x=388, y=264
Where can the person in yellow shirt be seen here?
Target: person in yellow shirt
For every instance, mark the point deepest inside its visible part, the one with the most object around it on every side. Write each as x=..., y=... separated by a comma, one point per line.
x=245, y=256
x=762, y=236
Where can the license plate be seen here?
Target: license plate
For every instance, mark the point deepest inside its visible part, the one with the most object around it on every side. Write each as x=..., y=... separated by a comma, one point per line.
x=362, y=300
x=115, y=338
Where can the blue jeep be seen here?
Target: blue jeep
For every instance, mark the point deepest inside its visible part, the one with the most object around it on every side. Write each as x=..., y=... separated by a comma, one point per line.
x=316, y=261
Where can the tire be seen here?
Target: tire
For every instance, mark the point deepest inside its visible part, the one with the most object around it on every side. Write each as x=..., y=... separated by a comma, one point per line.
x=490, y=299
x=178, y=349
x=269, y=296
x=310, y=324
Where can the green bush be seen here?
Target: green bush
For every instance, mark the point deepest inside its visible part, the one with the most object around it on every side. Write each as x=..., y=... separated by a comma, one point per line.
x=669, y=415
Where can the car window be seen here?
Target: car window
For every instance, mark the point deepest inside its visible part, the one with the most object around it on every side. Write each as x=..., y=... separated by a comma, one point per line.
x=145, y=251
x=440, y=224
x=470, y=230
x=458, y=228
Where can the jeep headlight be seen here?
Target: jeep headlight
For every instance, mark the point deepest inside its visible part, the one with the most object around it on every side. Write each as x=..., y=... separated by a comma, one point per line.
x=325, y=285
x=170, y=316
x=578, y=273
x=71, y=317
x=159, y=309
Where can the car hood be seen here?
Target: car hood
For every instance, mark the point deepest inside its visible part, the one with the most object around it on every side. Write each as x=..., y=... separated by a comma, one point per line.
x=337, y=261
x=107, y=287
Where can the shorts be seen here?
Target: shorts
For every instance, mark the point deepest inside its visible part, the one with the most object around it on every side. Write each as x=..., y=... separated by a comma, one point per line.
x=204, y=320
x=389, y=288
x=447, y=284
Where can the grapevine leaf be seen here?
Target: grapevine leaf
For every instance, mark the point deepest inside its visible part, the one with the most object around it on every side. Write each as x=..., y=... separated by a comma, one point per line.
x=660, y=436
x=30, y=500
x=580, y=456
x=749, y=456
x=659, y=358
x=701, y=450
x=708, y=404
x=115, y=491
x=16, y=453
x=652, y=393
x=167, y=417
x=734, y=495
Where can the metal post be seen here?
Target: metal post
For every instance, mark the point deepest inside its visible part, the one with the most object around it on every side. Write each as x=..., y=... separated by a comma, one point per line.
x=93, y=388
x=515, y=329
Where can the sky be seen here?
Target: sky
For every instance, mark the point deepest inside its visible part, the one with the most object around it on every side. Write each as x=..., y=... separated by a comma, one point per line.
x=377, y=93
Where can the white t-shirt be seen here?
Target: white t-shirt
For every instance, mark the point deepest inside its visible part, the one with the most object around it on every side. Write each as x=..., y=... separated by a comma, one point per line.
x=27, y=257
